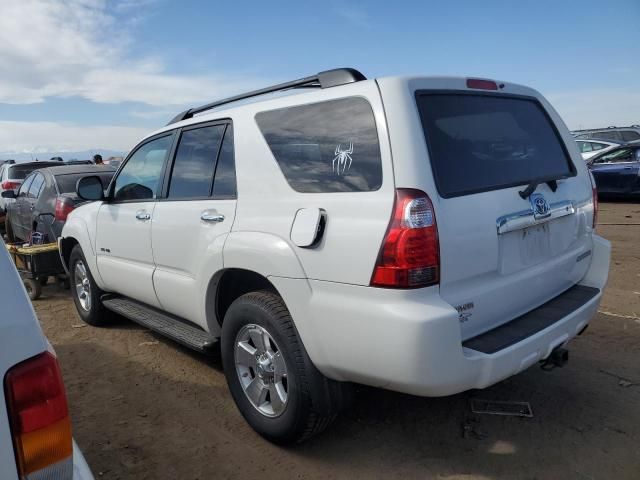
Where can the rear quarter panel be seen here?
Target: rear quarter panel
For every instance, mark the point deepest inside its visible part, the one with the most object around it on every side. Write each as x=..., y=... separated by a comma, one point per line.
x=20, y=338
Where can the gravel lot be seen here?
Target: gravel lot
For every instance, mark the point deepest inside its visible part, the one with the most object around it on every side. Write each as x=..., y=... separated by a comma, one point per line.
x=143, y=407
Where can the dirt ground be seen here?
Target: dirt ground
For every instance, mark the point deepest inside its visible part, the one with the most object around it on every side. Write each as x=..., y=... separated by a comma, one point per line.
x=145, y=408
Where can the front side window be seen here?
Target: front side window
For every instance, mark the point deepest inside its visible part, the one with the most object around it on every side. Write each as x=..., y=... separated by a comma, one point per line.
x=140, y=178
x=621, y=155
x=195, y=162
x=329, y=146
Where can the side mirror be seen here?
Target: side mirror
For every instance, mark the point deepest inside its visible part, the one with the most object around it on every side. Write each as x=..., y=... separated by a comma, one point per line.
x=90, y=188
x=8, y=194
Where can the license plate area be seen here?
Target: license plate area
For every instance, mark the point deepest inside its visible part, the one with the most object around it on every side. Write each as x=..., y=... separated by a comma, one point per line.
x=523, y=248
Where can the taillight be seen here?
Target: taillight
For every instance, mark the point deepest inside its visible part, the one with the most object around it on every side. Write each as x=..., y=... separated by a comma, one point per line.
x=410, y=254
x=594, y=195
x=480, y=84
x=8, y=185
x=64, y=206
x=39, y=418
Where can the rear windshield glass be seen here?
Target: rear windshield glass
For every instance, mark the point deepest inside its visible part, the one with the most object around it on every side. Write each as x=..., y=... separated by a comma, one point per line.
x=20, y=172
x=482, y=142
x=67, y=183
x=325, y=147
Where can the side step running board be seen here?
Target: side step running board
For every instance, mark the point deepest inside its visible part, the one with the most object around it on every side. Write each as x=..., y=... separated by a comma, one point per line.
x=161, y=322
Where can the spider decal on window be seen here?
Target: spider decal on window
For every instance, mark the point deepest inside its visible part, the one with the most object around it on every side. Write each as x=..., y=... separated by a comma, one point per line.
x=342, y=160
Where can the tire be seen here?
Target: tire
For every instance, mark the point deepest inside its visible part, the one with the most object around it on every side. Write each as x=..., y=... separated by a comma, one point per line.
x=89, y=306
x=33, y=287
x=312, y=401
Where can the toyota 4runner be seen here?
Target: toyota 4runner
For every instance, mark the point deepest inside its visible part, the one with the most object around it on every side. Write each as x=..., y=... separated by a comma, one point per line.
x=427, y=235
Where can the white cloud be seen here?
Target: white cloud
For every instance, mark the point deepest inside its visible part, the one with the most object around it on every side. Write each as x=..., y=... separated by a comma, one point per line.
x=27, y=137
x=70, y=48
x=597, y=108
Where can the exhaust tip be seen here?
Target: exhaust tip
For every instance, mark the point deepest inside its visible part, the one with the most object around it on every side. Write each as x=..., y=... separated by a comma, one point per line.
x=558, y=358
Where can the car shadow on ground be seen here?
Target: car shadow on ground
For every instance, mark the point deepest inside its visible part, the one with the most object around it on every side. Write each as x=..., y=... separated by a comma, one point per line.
x=161, y=416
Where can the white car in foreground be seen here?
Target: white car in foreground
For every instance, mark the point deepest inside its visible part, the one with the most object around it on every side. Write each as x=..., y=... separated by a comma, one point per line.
x=427, y=235
x=35, y=428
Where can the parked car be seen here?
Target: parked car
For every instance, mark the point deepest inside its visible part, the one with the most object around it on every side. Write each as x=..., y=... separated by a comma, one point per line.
x=45, y=199
x=35, y=428
x=589, y=148
x=12, y=175
x=614, y=134
x=617, y=171
x=427, y=235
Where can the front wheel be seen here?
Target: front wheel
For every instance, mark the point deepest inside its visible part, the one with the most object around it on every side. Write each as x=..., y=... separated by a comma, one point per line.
x=277, y=389
x=85, y=291
x=33, y=287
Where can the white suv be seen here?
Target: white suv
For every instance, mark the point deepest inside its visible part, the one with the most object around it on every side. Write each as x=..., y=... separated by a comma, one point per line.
x=426, y=235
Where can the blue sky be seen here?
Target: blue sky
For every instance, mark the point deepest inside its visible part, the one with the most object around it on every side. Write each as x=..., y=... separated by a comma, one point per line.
x=79, y=74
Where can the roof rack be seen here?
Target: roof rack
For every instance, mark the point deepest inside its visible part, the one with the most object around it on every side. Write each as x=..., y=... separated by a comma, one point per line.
x=326, y=79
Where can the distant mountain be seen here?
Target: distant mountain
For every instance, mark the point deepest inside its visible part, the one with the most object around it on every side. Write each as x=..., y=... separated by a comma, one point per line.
x=81, y=155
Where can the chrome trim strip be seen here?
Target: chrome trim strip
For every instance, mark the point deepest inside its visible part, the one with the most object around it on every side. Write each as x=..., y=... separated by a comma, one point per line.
x=526, y=218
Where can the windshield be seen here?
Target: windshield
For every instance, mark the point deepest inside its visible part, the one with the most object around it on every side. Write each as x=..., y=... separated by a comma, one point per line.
x=485, y=142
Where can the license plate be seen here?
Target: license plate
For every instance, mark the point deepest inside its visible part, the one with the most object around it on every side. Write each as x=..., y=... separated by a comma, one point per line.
x=535, y=244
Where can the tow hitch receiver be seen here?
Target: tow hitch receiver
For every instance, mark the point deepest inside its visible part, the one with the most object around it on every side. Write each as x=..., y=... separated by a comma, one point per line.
x=558, y=358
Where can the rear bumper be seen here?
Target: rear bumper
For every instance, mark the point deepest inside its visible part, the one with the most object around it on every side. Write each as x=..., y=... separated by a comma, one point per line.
x=81, y=470
x=410, y=341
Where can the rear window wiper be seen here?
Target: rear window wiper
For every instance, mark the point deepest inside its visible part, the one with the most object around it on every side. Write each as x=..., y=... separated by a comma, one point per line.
x=533, y=184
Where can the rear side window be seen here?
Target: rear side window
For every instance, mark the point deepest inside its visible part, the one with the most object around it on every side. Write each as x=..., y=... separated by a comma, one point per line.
x=629, y=135
x=195, y=162
x=479, y=143
x=325, y=147
x=585, y=146
x=615, y=136
x=224, y=185
x=597, y=146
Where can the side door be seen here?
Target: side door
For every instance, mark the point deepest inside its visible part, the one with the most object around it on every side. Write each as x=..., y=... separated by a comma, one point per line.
x=610, y=169
x=192, y=220
x=28, y=209
x=123, y=236
x=17, y=210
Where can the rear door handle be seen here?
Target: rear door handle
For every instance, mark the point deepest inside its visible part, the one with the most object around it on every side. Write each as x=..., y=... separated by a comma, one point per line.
x=143, y=216
x=212, y=217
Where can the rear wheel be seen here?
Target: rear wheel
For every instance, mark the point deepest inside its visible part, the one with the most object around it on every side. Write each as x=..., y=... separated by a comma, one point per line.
x=276, y=387
x=33, y=287
x=85, y=291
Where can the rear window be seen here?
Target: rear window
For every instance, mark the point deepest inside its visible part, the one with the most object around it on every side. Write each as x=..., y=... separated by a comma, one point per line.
x=484, y=142
x=18, y=172
x=67, y=183
x=325, y=147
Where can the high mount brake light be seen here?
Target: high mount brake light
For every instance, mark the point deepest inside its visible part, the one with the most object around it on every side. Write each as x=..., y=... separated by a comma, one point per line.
x=410, y=254
x=479, y=84
x=39, y=417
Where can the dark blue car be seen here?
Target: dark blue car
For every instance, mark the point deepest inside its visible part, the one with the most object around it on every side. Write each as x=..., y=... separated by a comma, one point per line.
x=617, y=172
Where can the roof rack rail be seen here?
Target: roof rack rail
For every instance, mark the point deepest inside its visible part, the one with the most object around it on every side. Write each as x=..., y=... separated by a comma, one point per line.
x=326, y=79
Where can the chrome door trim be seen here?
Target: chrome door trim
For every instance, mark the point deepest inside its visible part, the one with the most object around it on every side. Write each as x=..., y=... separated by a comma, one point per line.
x=526, y=218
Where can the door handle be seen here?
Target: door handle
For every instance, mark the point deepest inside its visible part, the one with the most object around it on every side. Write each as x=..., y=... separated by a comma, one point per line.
x=212, y=217
x=143, y=216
